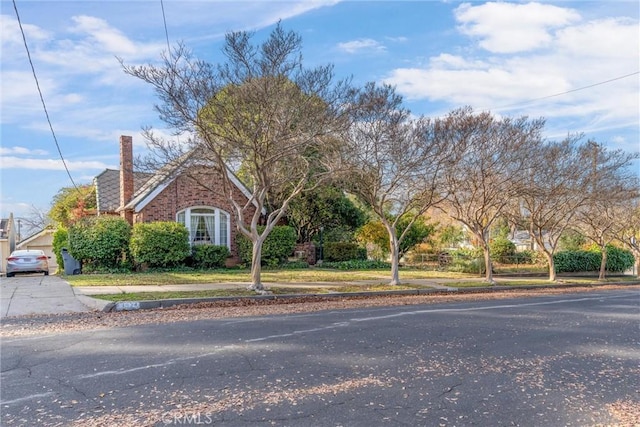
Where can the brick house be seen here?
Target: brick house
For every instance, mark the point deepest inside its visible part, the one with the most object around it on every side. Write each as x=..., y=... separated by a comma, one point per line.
x=171, y=194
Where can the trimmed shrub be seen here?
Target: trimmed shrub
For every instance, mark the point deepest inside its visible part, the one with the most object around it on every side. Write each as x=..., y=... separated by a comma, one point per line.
x=618, y=260
x=100, y=243
x=277, y=247
x=574, y=261
x=356, y=265
x=160, y=244
x=469, y=261
x=210, y=256
x=343, y=251
x=502, y=250
x=295, y=265
x=60, y=240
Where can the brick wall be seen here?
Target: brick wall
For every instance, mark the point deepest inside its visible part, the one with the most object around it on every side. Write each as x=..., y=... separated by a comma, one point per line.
x=183, y=193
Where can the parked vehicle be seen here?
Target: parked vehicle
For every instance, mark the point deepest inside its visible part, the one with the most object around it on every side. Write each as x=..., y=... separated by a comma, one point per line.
x=27, y=261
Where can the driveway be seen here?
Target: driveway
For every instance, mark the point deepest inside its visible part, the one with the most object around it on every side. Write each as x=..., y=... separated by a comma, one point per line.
x=38, y=294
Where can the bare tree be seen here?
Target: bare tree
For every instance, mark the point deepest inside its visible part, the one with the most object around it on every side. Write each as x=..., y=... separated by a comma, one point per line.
x=393, y=163
x=554, y=190
x=495, y=164
x=629, y=234
x=260, y=109
x=35, y=220
x=611, y=185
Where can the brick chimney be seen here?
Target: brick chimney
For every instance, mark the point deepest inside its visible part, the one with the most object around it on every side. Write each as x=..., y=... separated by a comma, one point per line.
x=126, y=176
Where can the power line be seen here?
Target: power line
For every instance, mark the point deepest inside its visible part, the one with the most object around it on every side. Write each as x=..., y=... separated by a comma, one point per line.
x=166, y=32
x=568, y=91
x=44, y=106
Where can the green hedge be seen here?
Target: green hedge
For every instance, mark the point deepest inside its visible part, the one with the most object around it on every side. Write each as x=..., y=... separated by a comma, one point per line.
x=276, y=248
x=160, y=244
x=210, y=256
x=60, y=240
x=502, y=250
x=343, y=251
x=100, y=243
x=356, y=265
x=618, y=260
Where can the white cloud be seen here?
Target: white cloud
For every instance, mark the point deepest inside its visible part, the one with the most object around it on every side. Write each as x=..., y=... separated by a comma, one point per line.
x=509, y=27
x=359, y=45
x=12, y=37
x=11, y=162
x=576, y=55
x=22, y=151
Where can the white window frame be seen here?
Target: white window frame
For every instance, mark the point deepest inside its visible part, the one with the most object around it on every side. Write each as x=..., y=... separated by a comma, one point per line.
x=217, y=213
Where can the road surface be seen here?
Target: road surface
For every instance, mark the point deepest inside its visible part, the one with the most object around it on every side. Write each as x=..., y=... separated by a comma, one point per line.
x=563, y=360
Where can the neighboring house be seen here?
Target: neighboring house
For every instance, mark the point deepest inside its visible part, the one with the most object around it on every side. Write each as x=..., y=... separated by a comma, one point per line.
x=7, y=240
x=42, y=240
x=172, y=195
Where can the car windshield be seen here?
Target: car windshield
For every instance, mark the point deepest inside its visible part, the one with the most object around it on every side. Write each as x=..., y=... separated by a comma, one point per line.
x=27, y=253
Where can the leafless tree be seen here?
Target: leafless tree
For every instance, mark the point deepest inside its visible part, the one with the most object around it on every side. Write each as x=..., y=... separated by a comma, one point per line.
x=629, y=234
x=260, y=109
x=554, y=190
x=494, y=167
x=35, y=220
x=393, y=163
x=611, y=185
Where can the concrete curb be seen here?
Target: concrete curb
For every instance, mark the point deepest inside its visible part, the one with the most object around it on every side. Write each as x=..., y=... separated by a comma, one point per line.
x=108, y=306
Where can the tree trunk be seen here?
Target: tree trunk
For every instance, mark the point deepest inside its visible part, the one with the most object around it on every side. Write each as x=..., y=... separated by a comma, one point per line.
x=394, y=247
x=487, y=265
x=552, y=266
x=395, y=263
x=256, y=268
x=603, y=264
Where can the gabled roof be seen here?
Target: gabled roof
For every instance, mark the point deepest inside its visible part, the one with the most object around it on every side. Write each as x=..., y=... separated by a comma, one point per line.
x=157, y=182
x=108, y=188
x=34, y=236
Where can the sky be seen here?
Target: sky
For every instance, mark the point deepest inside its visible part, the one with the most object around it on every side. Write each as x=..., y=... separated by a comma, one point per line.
x=576, y=64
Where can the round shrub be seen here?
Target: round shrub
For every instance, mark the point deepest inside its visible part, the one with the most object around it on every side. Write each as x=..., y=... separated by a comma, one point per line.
x=160, y=244
x=276, y=248
x=502, y=250
x=210, y=256
x=101, y=242
x=618, y=260
x=343, y=251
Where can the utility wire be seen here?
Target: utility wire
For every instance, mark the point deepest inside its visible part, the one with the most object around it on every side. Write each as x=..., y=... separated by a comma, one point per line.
x=568, y=91
x=166, y=32
x=44, y=106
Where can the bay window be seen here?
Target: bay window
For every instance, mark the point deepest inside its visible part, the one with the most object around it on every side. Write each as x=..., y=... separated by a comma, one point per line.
x=206, y=225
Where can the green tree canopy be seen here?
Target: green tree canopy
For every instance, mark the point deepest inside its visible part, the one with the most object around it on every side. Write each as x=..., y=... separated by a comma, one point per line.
x=71, y=203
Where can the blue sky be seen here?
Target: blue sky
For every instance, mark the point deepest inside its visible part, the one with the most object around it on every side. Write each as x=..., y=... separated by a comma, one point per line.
x=574, y=63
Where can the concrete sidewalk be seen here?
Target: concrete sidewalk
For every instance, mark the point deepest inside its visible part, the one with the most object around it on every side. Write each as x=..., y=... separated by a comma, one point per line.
x=37, y=294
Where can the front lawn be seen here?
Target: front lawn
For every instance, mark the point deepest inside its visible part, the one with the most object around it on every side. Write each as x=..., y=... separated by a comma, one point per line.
x=242, y=292
x=307, y=275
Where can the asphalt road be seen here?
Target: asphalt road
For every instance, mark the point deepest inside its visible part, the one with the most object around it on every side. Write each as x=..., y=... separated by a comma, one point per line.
x=566, y=360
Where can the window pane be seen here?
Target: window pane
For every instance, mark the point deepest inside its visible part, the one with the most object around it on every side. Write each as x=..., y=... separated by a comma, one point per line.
x=181, y=218
x=202, y=211
x=223, y=229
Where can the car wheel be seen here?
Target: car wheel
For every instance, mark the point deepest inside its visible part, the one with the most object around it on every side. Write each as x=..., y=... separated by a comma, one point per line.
x=10, y=274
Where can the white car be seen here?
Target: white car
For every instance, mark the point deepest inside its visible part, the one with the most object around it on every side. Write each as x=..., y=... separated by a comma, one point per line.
x=27, y=261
